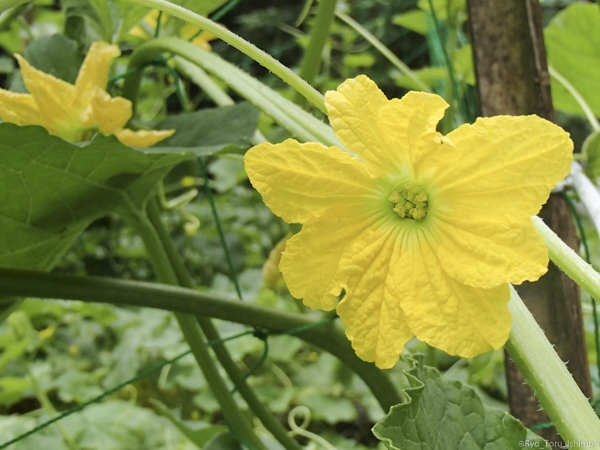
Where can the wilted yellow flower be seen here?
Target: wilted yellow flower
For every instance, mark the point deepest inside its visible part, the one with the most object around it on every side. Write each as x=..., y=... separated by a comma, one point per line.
x=422, y=232
x=75, y=112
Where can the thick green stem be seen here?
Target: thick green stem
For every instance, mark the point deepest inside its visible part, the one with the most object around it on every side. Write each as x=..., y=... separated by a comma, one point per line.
x=570, y=262
x=264, y=59
x=172, y=298
x=318, y=38
x=302, y=124
x=547, y=375
x=239, y=423
x=209, y=330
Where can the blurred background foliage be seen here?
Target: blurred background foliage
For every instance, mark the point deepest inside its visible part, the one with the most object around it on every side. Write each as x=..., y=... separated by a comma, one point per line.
x=58, y=354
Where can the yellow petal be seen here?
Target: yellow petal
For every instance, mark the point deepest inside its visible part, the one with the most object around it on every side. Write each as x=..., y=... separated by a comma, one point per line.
x=353, y=110
x=94, y=71
x=371, y=311
x=487, y=254
x=408, y=126
x=459, y=319
x=54, y=99
x=106, y=113
x=505, y=169
x=311, y=257
x=142, y=139
x=18, y=108
x=300, y=181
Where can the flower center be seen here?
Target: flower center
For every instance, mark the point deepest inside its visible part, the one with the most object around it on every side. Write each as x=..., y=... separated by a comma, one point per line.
x=410, y=201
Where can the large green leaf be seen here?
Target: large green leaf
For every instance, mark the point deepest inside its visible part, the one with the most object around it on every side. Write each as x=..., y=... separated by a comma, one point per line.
x=446, y=414
x=51, y=190
x=211, y=130
x=573, y=42
x=56, y=55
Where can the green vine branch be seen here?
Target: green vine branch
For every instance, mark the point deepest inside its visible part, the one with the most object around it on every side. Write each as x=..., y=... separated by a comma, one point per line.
x=177, y=299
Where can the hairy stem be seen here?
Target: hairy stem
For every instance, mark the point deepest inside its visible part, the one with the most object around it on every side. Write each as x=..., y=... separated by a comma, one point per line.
x=264, y=59
x=546, y=373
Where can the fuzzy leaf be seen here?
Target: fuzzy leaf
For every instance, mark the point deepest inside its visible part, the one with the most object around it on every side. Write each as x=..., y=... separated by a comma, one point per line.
x=51, y=190
x=456, y=413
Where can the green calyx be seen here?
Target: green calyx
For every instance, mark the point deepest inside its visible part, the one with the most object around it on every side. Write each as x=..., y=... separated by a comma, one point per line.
x=410, y=202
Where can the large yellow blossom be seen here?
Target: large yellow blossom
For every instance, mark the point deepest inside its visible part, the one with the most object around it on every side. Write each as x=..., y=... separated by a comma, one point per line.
x=75, y=112
x=422, y=232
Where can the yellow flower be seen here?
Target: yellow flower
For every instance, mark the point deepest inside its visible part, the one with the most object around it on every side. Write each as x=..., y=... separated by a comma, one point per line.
x=75, y=112
x=421, y=232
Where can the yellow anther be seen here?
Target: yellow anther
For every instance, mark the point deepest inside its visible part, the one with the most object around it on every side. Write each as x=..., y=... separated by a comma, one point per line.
x=410, y=202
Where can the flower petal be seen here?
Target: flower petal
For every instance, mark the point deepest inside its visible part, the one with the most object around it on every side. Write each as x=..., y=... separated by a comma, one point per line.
x=352, y=111
x=505, y=168
x=18, y=108
x=311, y=257
x=300, y=181
x=459, y=319
x=94, y=71
x=370, y=310
x=55, y=101
x=487, y=254
x=106, y=113
x=143, y=138
x=408, y=125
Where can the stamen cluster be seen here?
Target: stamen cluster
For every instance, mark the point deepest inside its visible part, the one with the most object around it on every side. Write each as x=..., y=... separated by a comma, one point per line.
x=411, y=202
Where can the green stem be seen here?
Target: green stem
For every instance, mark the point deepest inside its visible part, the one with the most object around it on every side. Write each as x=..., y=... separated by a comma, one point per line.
x=406, y=71
x=570, y=262
x=209, y=330
x=318, y=38
x=49, y=407
x=566, y=406
x=302, y=124
x=172, y=298
x=239, y=424
x=264, y=59
x=589, y=114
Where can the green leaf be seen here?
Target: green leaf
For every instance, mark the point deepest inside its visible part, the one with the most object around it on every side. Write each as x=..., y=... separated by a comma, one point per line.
x=591, y=149
x=51, y=190
x=199, y=436
x=211, y=130
x=56, y=55
x=131, y=14
x=452, y=11
x=456, y=413
x=428, y=75
x=573, y=39
x=12, y=389
x=95, y=12
x=415, y=20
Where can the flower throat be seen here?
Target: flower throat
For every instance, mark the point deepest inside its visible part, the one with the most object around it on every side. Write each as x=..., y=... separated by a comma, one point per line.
x=410, y=202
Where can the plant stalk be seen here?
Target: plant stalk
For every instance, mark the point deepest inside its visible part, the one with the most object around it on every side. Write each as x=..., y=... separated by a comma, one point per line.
x=264, y=59
x=569, y=262
x=238, y=422
x=211, y=333
x=45, y=285
x=318, y=38
x=566, y=406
